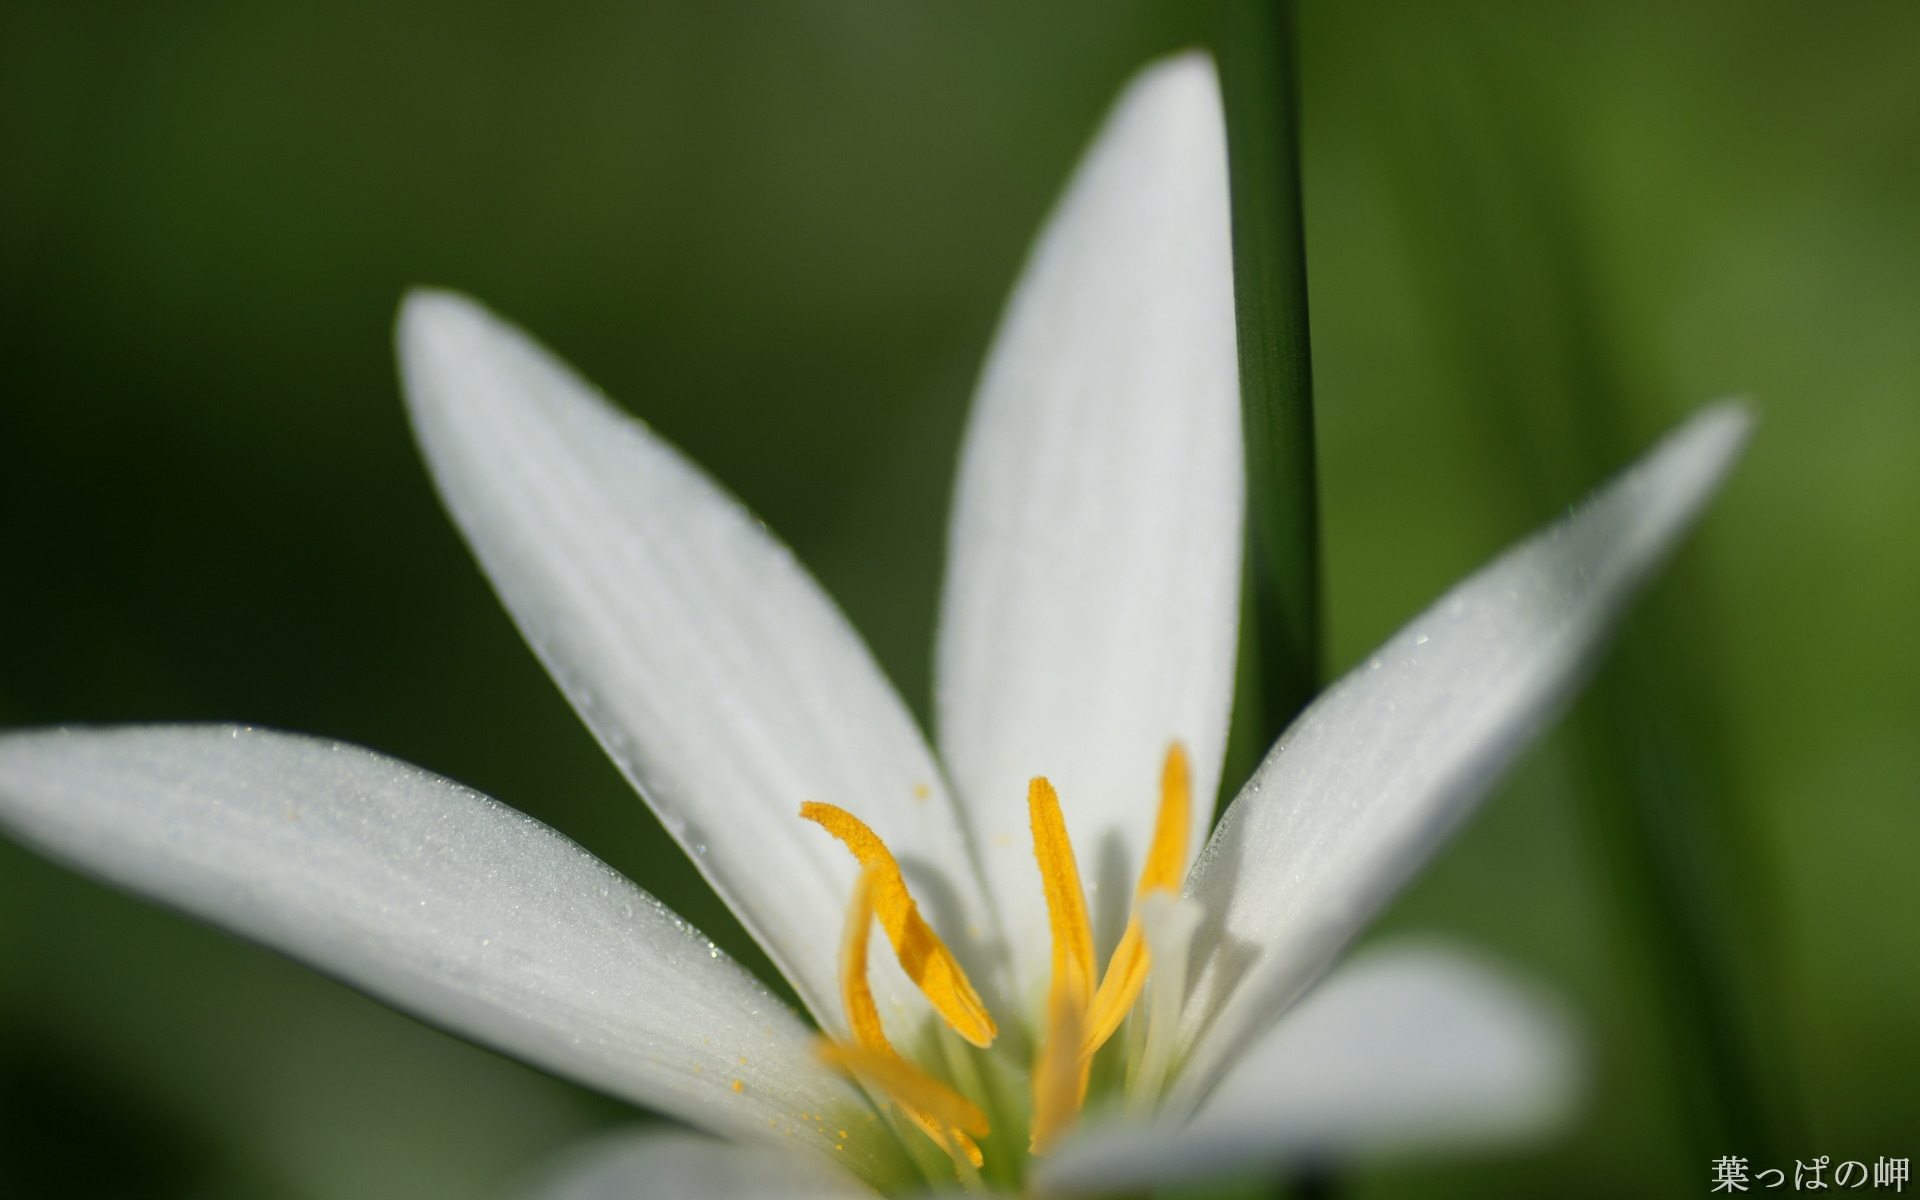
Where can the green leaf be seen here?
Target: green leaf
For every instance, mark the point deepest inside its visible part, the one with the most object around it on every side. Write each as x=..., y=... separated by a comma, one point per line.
x=1279, y=669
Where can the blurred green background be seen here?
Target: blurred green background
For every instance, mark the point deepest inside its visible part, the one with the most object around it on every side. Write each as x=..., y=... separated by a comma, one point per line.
x=1538, y=234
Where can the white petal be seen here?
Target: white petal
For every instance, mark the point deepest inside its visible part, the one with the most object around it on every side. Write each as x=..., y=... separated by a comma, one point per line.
x=1407, y=1047
x=666, y=1165
x=1378, y=772
x=713, y=669
x=433, y=898
x=1091, y=594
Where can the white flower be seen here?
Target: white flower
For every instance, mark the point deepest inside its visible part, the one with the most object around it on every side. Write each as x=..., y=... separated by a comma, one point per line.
x=1085, y=652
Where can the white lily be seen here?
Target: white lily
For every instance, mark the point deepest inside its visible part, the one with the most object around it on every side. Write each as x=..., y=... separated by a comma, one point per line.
x=1085, y=663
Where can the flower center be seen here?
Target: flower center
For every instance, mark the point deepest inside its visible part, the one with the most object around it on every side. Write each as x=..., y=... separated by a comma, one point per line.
x=1080, y=1014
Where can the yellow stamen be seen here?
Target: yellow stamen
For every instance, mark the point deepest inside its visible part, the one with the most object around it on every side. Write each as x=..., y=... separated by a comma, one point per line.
x=1060, y=876
x=942, y=1113
x=863, y=1016
x=923, y=956
x=932, y=1104
x=1166, y=864
x=1079, y=1019
x=1060, y=1074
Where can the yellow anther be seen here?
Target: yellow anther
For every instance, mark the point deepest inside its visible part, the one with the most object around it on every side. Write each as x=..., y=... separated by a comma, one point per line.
x=1060, y=876
x=1165, y=866
x=932, y=1104
x=1060, y=1073
x=856, y=997
x=1080, y=1019
x=964, y=1145
x=923, y=956
x=942, y=1113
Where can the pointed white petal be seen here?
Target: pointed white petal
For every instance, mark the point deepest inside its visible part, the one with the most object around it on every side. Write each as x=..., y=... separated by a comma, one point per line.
x=718, y=675
x=1379, y=771
x=1091, y=594
x=658, y=1164
x=434, y=898
x=1407, y=1047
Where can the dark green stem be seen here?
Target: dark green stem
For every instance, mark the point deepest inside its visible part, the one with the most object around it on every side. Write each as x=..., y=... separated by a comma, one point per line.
x=1279, y=667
